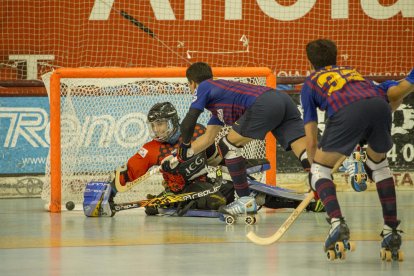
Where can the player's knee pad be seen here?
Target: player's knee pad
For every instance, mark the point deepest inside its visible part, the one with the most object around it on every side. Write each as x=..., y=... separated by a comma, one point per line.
x=227, y=149
x=378, y=171
x=303, y=157
x=213, y=155
x=318, y=172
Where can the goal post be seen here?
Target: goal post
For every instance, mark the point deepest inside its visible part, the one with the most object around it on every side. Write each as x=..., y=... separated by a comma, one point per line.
x=65, y=94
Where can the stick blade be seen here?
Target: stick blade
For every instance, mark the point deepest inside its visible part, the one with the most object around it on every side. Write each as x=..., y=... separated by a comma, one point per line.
x=260, y=240
x=284, y=227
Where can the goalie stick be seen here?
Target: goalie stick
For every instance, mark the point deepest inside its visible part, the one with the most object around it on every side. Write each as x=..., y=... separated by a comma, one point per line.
x=165, y=199
x=129, y=185
x=170, y=198
x=290, y=220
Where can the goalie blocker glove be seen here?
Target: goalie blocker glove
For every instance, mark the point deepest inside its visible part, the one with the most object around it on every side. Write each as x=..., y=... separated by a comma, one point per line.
x=182, y=173
x=184, y=152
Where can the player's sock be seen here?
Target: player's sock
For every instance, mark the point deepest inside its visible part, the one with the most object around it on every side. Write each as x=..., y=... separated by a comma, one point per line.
x=327, y=193
x=387, y=196
x=237, y=170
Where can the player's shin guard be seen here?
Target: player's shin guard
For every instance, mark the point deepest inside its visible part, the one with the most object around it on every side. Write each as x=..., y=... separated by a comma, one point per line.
x=321, y=182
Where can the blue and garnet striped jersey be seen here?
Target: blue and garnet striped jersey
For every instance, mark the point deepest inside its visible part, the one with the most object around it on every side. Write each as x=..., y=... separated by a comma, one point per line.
x=333, y=87
x=226, y=100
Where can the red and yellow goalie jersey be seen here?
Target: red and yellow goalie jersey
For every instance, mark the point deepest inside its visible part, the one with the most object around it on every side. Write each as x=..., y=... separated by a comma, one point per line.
x=152, y=153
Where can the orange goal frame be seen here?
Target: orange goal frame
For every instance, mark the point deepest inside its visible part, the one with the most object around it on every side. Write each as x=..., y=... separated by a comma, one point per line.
x=177, y=72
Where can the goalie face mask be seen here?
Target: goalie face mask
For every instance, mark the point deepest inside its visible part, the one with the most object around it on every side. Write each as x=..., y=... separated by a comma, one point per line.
x=163, y=131
x=164, y=123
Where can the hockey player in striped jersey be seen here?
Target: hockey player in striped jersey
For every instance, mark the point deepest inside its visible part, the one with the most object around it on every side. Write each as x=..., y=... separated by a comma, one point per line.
x=252, y=111
x=357, y=111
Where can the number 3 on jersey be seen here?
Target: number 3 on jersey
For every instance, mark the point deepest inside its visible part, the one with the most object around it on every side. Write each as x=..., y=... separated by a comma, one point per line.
x=337, y=79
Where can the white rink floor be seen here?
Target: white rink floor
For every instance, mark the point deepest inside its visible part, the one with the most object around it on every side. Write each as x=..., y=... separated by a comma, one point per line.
x=35, y=242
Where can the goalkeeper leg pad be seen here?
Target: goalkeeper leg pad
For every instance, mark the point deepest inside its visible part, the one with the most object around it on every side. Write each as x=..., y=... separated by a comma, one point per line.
x=97, y=200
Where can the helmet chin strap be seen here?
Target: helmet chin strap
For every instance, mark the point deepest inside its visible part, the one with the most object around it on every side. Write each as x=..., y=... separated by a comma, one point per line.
x=174, y=138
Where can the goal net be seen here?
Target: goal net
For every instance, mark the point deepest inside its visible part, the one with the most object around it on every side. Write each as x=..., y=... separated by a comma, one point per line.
x=98, y=121
x=375, y=36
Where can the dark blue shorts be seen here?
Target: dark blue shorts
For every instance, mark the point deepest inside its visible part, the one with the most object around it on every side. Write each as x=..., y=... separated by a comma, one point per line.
x=365, y=121
x=272, y=111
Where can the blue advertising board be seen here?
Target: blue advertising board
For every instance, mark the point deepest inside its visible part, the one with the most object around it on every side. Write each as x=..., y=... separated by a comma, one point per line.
x=25, y=132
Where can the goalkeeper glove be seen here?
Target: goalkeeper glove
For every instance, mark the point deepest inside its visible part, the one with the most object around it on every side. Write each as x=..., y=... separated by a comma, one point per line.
x=184, y=152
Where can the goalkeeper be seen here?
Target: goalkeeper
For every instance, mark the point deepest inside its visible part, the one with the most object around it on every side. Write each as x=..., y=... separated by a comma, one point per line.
x=164, y=127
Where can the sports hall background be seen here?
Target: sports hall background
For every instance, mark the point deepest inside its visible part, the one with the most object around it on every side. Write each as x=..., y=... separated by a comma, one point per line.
x=375, y=36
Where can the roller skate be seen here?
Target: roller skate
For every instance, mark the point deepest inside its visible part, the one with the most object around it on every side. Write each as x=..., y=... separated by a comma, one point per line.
x=356, y=170
x=337, y=242
x=244, y=206
x=390, y=244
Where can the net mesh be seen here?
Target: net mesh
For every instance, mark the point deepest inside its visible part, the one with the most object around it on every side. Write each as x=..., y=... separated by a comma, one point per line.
x=375, y=36
x=103, y=123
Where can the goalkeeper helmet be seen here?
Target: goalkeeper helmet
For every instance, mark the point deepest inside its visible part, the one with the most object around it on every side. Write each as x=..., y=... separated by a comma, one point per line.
x=164, y=123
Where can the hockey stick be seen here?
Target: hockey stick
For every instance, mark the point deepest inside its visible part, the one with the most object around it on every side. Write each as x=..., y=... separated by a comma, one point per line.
x=165, y=199
x=138, y=24
x=123, y=188
x=170, y=198
x=290, y=220
x=149, y=32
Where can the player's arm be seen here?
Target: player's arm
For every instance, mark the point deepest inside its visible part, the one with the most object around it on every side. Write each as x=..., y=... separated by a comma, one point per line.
x=188, y=124
x=311, y=131
x=398, y=93
x=187, y=127
x=205, y=140
x=310, y=119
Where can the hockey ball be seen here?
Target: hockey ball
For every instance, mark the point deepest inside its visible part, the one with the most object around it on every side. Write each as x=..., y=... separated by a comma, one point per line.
x=70, y=205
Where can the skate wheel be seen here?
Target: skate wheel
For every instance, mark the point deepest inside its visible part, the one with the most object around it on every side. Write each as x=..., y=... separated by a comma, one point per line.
x=250, y=220
x=351, y=246
x=341, y=255
x=229, y=220
x=363, y=156
x=388, y=256
x=400, y=256
x=382, y=254
x=358, y=178
x=331, y=255
x=356, y=155
x=339, y=247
